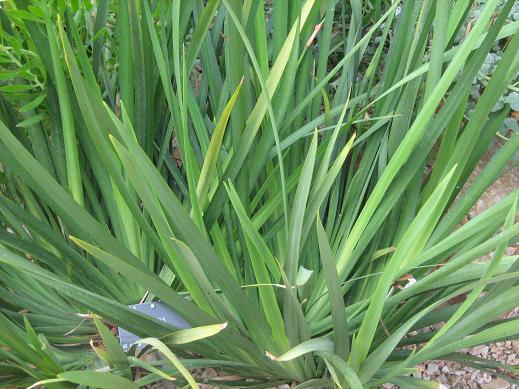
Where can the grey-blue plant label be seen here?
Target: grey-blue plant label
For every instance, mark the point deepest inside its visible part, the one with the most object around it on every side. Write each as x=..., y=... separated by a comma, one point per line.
x=156, y=310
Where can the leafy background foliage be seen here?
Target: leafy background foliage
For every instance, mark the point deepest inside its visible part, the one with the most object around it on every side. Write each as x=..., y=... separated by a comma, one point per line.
x=275, y=172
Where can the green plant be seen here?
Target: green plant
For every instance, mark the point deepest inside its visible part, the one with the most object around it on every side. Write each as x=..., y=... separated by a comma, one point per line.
x=282, y=168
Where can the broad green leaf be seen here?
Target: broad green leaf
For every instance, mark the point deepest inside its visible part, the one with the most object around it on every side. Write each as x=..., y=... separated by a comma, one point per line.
x=97, y=379
x=340, y=322
x=67, y=121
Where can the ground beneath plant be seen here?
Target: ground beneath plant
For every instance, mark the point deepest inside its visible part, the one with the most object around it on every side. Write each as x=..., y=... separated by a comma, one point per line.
x=450, y=374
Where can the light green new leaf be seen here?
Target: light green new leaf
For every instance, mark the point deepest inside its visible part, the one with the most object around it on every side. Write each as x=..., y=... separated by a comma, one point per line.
x=160, y=346
x=309, y=346
x=209, y=166
x=193, y=334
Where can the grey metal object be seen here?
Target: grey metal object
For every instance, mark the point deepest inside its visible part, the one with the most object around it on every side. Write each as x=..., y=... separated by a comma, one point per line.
x=157, y=310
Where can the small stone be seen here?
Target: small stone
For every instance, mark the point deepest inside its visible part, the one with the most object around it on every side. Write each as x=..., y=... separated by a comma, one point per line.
x=484, y=351
x=476, y=350
x=511, y=357
x=515, y=346
x=475, y=375
x=496, y=383
x=454, y=380
x=432, y=368
x=209, y=373
x=446, y=370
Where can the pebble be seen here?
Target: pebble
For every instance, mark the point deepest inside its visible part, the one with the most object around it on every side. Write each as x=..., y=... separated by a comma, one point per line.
x=432, y=368
x=475, y=375
x=496, y=383
x=455, y=380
